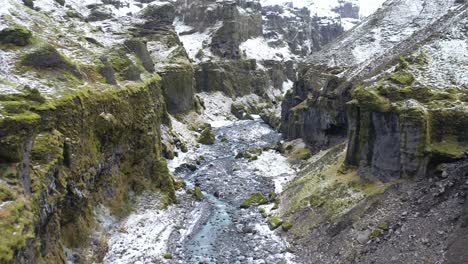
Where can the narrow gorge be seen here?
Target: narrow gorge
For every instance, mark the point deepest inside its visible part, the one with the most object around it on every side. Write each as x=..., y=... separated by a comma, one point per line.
x=233, y=131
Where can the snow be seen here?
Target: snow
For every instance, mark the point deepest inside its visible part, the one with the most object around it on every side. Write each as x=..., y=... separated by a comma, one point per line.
x=197, y=41
x=274, y=165
x=218, y=109
x=144, y=235
x=323, y=8
x=258, y=48
x=447, y=64
x=287, y=85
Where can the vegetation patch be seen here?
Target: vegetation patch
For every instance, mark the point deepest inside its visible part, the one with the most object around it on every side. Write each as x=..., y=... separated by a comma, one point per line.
x=48, y=57
x=274, y=222
x=207, y=137
x=16, y=35
x=254, y=199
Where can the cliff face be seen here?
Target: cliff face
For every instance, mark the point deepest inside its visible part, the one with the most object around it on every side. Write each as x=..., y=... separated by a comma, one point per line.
x=393, y=90
x=80, y=116
x=325, y=84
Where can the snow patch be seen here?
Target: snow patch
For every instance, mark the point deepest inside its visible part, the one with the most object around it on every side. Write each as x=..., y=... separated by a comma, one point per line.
x=258, y=48
x=274, y=165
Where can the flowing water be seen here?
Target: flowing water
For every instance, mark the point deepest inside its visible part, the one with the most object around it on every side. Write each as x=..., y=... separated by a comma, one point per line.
x=216, y=229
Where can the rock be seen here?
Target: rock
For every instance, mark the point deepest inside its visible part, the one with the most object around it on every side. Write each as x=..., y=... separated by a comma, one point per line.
x=107, y=71
x=99, y=13
x=254, y=199
x=363, y=236
x=178, y=87
x=207, y=137
x=274, y=222
x=17, y=35
x=164, y=14
x=47, y=57
x=138, y=47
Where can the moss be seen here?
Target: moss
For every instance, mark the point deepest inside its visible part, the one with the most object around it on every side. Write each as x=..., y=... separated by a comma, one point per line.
x=47, y=57
x=300, y=154
x=207, y=137
x=449, y=148
x=167, y=256
x=287, y=226
x=16, y=35
x=274, y=222
x=379, y=231
x=179, y=183
x=124, y=67
x=272, y=196
x=254, y=199
x=422, y=58
x=368, y=98
x=402, y=77
x=196, y=193
x=16, y=223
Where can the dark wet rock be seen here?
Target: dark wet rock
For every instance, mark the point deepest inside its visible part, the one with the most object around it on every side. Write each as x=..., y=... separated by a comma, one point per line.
x=178, y=87
x=207, y=137
x=139, y=48
x=99, y=13
x=48, y=57
x=235, y=78
x=18, y=35
x=107, y=71
x=164, y=13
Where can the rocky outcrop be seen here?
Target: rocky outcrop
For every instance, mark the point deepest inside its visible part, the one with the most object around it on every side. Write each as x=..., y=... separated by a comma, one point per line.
x=80, y=124
x=86, y=148
x=314, y=109
x=310, y=109
x=236, y=28
x=234, y=78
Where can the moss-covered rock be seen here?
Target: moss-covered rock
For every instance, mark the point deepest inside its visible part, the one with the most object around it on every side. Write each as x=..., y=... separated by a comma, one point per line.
x=287, y=226
x=399, y=127
x=274, y=222
x=162, y=13
x=48, y=57
x=17, y=35
x=207, y=137
x=196, y=193
x=254, y=199
x=93, y=147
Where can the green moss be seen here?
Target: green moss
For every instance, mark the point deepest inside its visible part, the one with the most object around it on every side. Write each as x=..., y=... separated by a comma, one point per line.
x=422, y=58
x=300, y=154
x=16, y=35
x=402, y=77
x=272, y=196
x=47, y=57
x=207, y=137
x=274, y=222
x=369, y=98
x=16, y=223
x=449, y=148
x=167, y=256
x=287, y=226
x=254, y=199
x=196, y=193
x=124, y=67
x=379, y=231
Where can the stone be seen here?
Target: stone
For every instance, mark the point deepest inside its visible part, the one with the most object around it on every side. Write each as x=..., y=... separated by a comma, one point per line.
x=17, y=35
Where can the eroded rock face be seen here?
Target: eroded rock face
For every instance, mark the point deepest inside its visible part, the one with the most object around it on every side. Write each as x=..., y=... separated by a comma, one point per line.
x=408, y=126
x=314, y=109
